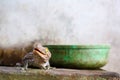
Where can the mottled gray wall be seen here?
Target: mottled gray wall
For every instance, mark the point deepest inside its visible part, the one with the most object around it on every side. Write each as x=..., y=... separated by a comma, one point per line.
x=62, y=22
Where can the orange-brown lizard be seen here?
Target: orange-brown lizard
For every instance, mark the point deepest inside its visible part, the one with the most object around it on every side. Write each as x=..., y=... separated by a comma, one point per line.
x=39, y=57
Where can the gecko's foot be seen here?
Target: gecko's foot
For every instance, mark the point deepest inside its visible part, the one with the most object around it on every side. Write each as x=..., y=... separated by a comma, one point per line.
x=23, y=69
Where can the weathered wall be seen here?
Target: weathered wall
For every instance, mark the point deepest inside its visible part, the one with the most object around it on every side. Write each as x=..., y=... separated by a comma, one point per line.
x=62, y=22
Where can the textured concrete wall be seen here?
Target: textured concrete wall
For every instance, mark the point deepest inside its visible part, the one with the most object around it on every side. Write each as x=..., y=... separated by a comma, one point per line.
x=62, y=22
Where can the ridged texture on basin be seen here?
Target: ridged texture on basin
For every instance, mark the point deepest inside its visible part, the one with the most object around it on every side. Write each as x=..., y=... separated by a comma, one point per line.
x=79, y=56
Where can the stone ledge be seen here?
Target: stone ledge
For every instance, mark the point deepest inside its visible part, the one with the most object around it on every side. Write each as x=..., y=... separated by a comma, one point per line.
x=14, y=73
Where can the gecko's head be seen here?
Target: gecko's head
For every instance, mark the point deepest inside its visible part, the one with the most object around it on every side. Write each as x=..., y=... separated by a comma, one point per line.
x=39, y=49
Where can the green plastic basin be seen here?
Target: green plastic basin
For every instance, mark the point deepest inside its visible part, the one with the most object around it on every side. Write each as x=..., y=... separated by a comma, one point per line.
x=79, y=56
